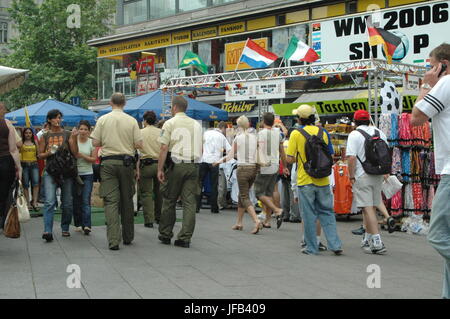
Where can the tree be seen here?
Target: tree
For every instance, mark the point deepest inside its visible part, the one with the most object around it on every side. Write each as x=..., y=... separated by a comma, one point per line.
x=60, y=62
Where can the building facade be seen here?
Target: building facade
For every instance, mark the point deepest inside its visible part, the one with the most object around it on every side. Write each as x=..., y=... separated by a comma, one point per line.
x=152, y=36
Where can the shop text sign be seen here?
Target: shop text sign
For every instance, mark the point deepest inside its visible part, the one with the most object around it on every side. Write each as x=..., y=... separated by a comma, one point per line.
x=258, y=90
x=421, y=28
x=338, y=106
x=238, y=107
x=233, y=52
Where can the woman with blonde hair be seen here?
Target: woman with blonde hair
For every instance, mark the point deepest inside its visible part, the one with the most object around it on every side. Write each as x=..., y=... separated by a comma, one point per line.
x=244, y=146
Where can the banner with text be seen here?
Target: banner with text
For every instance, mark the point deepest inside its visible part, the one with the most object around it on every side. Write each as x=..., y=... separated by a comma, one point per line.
x=258, y=90
x=421, y=28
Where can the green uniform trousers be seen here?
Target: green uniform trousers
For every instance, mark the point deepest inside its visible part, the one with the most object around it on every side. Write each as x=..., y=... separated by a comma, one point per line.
x=149, y=193
x=182, y=180
x=117, y=189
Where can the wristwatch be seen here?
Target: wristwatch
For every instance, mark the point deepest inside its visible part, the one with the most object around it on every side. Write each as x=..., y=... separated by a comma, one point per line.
x=426, y=86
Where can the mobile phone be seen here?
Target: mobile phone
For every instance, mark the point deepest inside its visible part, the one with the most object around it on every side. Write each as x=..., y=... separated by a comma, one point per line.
x=443, y=69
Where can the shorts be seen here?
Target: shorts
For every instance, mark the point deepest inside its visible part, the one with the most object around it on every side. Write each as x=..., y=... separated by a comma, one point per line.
x=265, y=184
x=367, y=190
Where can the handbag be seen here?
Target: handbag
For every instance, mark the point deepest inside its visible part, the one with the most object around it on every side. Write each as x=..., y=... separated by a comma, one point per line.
x=391, y=186
x=22, y=205
x=12, y=224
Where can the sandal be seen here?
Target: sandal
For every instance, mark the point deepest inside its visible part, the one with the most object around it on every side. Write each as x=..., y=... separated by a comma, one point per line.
x=258, y=227
x=65, y=234
x=266, y=225
x=237, y=227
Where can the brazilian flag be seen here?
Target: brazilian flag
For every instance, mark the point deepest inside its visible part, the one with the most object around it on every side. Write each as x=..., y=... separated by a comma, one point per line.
x=190, y=58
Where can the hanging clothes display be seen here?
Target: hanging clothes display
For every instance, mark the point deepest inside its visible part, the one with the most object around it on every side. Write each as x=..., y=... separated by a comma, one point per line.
x=343, y=194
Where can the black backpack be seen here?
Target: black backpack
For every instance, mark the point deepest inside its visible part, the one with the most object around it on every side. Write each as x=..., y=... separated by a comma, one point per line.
x=318, y=162
x=378, y=155
x=62, y=165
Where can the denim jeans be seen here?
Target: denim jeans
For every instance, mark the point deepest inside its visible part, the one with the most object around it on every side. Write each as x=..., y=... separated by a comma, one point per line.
x=82, y=202
x=317, y=202
x=30, y=172
x=50, y=203
x=439, y=232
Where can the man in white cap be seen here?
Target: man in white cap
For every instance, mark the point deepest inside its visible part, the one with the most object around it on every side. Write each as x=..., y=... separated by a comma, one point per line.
x=314, y=191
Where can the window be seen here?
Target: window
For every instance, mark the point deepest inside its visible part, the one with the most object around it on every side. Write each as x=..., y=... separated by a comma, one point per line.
x=188, y=5
x=3, y=32
x=135, y=11
x=162, y=8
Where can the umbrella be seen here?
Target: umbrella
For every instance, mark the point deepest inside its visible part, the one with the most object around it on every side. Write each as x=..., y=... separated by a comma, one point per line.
x=38, y=113
x=11, y=78
x=153, y=101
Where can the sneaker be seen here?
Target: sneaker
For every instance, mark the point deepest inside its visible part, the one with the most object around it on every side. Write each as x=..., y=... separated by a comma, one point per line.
x=305, y=251
x=322, y=247
x=78, y=229
x=303, y=244
x=359, y=231
x=87, y=231
x=365, y=243
x=391, y=225
x=376, y=249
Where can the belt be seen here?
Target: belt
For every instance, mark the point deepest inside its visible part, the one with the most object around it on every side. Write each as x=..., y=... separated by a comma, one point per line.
x=148, y=161
x=114, y=157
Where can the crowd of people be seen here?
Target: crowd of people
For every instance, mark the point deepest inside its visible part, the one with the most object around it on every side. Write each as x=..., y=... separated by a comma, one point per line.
x=168, y=162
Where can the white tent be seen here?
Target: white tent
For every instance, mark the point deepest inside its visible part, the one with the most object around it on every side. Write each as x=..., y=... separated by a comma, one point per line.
x=11, y=78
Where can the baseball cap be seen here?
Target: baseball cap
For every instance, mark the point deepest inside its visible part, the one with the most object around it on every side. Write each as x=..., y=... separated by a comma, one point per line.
x=361, y=115
x=304, y=111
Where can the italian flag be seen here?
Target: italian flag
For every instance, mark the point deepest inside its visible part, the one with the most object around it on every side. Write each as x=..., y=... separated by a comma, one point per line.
x=299, y=51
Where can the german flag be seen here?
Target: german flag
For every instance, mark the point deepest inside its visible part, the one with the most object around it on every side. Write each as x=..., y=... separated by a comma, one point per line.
x=389, y=41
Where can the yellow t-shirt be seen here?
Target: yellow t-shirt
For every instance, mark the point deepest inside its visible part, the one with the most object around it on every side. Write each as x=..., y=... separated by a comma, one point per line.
x=28, y=153
x=297, y=147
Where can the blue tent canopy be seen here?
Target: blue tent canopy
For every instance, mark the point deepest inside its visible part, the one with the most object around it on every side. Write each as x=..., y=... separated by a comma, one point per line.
x=38, y=113
x=153, y=101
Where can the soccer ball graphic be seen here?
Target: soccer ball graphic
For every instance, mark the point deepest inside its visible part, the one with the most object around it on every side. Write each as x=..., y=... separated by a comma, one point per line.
x=402, y=49
x=390, y=99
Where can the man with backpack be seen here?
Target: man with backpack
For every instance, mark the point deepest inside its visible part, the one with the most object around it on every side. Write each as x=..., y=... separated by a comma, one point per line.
x=369, y=159
x=309, y=147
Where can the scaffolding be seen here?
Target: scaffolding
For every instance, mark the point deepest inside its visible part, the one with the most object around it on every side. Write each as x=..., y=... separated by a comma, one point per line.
x=369, y=73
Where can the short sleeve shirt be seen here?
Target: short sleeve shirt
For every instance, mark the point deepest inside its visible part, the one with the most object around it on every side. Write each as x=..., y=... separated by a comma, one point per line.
x=117, y=133
x=151, y=146
x=355, y=146
x=436, y=105
x=183, y=136
x=214, y=144
x=269, y=141
x=296, y=149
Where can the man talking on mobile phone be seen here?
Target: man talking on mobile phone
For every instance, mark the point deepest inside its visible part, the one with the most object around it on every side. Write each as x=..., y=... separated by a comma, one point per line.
x=434, y=103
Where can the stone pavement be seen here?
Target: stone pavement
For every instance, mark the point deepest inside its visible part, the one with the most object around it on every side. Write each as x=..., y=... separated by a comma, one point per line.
x=221, y=264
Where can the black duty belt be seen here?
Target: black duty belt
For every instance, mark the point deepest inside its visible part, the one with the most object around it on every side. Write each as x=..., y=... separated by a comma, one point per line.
x=114, y=157
x=148, y=161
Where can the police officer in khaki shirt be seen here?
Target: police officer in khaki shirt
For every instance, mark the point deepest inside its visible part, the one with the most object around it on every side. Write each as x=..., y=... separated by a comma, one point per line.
x=148, y=177
x=118, y=135
x=182, y=136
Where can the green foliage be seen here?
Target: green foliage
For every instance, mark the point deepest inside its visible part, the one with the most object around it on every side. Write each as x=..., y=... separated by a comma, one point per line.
x=61, y=64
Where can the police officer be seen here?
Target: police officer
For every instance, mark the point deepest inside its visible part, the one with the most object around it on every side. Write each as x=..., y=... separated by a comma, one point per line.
x=149, y=169
x=182, y=137
x=119, y=136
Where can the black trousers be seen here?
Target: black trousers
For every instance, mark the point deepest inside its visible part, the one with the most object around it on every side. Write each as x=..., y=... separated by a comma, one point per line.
x=214, y=175
x=7, y=177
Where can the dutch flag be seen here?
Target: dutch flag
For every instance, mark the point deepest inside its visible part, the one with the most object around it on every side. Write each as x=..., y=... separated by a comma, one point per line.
x=255, y=56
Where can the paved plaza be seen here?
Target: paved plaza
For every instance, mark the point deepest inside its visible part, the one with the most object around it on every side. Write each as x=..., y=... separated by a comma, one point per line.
x=221, y=264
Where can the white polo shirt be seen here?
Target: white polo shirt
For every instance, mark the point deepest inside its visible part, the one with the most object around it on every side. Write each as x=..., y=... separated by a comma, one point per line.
x=214, y=143
x=436, y=105
x=355, y=146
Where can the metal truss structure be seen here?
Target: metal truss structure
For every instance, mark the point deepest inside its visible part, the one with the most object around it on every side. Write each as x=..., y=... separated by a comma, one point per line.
x=300, y=72
x=369, y=73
